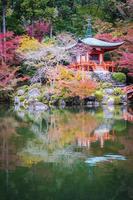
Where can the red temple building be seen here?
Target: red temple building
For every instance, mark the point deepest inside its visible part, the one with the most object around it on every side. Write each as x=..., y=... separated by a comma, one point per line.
x=91, y=57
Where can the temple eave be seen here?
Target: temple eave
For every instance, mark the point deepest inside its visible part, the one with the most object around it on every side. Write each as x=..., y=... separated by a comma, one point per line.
x=95, y=43
x=105, y=48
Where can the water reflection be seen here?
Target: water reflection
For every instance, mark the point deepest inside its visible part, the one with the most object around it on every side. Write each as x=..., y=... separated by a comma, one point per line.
x=47, y=155
x=73, y=134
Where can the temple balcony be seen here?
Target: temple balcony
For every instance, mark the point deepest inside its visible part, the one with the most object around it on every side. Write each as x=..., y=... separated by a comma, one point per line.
x=93, y=66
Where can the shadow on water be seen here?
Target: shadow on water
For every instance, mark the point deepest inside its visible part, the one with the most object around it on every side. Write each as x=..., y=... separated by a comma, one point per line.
x=82, y=154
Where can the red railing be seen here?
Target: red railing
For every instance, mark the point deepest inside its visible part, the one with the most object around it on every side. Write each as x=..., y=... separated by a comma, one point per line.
x=86, y=66
x=92, y=66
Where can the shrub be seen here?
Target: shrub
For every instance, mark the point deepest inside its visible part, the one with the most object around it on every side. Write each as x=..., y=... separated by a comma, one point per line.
x=119, y=77
x=106, y=85
x=67, y=83
x=74, y=88
x=99, y=95
x=118, y=91
x=117, y=100
x=28, y=44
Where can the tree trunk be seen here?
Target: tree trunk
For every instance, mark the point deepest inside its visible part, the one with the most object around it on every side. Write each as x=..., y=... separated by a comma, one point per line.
x=4, y=31
x=51, y=30
x=4, y=16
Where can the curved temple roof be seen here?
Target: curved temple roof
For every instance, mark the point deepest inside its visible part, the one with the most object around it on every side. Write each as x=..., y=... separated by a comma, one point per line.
x=93, y=42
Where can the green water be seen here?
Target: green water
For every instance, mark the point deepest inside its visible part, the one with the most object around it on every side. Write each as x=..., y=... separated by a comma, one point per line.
x=63, y=154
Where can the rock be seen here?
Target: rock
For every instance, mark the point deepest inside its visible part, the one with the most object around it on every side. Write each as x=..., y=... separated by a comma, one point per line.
x=90, y=103
x=108, y=91
x=20, y=92
x=33, y=93
x=89, y=99
x=124, y=98
x=47, y=97
x=70, y=101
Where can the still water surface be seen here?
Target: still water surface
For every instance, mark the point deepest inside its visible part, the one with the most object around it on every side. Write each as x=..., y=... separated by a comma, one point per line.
x=71, y=154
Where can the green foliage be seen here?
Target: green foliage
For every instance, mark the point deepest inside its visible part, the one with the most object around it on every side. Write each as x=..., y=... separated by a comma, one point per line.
x=106, y=85
x=65, y=15
x=99, y=95
x=119, y=77
x=118, y=91
x=117, y=100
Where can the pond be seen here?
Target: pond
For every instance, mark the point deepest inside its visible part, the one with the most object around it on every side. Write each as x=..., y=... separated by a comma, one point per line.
x=66, y=154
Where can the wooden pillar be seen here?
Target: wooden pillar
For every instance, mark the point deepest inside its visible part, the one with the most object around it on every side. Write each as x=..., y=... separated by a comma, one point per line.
x=87, y=57
x=78, y=58
x=101, y=58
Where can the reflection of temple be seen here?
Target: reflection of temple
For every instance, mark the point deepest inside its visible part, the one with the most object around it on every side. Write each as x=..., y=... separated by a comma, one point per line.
x=101, y=134
x=128, y=115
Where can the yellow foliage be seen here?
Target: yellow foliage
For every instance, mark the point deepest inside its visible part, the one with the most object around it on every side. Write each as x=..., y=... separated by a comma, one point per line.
x=28, y=44
x=65, y=74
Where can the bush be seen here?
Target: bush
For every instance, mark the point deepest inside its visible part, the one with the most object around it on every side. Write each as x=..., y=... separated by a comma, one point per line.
x=106, y=85
x=67, y=83
x=28, y=44
x=117, y=100
x=119, y=77
x=118, y=91
x=99, y=95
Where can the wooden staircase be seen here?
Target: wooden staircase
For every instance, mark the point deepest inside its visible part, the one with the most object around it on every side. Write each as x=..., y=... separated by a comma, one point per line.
x=129, y=91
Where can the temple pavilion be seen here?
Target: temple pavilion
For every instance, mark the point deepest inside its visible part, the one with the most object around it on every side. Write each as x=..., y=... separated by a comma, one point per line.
x=90, y=53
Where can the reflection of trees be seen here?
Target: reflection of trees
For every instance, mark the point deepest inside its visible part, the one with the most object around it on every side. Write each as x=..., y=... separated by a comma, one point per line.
x=58, y=182
x=64, y=128
x=57, y=133
x=8, y=152
x=8, y=158
x=61, y=131
x=127, y=142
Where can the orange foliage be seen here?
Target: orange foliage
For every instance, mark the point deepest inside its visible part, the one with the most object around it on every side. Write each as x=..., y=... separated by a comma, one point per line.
x=68, y=83
x=82, y=88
